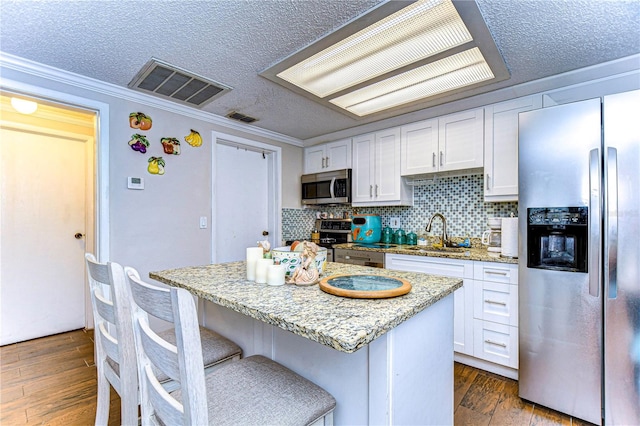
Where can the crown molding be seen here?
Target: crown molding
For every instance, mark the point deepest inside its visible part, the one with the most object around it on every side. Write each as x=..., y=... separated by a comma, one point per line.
x=37, y=69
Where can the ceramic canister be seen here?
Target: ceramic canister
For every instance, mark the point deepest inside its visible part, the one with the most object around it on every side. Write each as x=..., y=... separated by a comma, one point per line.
x=366, y=228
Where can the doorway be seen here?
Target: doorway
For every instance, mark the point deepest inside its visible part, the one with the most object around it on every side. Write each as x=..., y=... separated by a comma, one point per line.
x=246, y=196
x=47, y=218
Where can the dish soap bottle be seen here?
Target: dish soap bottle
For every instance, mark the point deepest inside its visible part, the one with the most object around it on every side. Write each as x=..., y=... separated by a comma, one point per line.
x=422, y=239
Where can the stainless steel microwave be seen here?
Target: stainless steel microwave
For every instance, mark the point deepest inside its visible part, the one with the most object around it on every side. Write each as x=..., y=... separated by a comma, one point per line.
x=327, y=187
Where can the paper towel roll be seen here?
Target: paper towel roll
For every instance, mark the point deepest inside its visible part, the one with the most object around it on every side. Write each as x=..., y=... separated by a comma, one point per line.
x=509, y=237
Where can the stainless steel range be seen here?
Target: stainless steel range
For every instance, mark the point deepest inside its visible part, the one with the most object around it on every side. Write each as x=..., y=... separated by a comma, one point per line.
x=333, y=231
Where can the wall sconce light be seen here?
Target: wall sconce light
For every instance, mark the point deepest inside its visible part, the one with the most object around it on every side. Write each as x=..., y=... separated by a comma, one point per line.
x=24, y=106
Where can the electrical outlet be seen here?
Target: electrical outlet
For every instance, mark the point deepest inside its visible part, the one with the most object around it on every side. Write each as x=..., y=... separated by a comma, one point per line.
x=394, y=222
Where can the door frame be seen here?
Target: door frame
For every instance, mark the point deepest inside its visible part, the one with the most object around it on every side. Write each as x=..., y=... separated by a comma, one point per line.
x=99, y=164
x=274, y=157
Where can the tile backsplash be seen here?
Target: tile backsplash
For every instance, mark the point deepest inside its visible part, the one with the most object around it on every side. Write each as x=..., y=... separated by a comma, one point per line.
x=459, y=198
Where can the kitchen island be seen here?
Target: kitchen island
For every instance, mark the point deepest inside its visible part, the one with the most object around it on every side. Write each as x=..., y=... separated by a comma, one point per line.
x=386, y=361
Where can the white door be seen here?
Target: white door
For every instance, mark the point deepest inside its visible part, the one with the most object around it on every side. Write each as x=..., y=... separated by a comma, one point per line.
x=242, y=201
x=42, y=182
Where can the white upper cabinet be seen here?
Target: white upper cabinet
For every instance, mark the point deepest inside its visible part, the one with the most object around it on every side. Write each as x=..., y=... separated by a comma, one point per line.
x=450, y=143
x=419, y=147
x=501, y=147
x=327, y=157
x=376, y=170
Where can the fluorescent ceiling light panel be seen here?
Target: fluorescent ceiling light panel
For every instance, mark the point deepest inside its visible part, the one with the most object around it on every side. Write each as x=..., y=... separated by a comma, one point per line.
x=414, y=33
x=396, y=58
x=460, y=70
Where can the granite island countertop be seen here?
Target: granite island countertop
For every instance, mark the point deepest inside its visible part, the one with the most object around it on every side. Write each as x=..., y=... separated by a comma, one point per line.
x=342, y=323
x=472, y=253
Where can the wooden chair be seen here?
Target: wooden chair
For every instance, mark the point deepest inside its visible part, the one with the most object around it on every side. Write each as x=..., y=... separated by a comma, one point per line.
x=216, y=349
x=252, y=391
x=114, y=344
x=115, y=357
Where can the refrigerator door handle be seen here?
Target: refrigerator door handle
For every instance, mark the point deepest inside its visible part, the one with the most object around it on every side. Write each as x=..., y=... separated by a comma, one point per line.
x=611, y=249
x=594, y=223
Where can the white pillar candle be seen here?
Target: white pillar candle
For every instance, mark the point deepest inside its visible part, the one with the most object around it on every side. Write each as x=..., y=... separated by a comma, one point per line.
x=253, y=255
x=275, y=275
x=262, y=265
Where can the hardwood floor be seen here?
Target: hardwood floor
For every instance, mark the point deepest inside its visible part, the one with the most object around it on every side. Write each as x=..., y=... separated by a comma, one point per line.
x=52, y=381
x=483, y=398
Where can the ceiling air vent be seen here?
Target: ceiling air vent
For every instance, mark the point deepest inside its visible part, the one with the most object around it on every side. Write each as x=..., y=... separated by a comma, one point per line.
x=173, y=83
x=234, y=115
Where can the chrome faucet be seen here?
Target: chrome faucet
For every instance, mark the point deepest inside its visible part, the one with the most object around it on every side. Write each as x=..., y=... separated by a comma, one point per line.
x=445, y=239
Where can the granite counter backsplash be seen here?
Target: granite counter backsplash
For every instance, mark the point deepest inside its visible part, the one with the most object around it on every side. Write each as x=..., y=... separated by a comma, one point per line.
x=459, y=198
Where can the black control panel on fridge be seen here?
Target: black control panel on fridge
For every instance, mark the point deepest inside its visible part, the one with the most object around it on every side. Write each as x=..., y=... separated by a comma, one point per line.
x=557, y=238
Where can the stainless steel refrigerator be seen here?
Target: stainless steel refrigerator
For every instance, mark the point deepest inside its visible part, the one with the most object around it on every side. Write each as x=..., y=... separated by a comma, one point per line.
x=579, y=263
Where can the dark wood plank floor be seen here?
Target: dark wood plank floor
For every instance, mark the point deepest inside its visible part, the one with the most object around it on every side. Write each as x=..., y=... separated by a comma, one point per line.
x=482, y=398
x=52, y=381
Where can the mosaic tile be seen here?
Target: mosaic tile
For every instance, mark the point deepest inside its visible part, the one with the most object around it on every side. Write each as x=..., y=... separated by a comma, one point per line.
x=459, y=198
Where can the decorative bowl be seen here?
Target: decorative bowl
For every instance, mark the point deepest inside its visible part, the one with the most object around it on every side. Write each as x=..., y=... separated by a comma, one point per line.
x=291, y=259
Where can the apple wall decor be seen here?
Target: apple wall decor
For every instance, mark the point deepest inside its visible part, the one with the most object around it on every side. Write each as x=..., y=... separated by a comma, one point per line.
x=170, y=145
x=139, y=120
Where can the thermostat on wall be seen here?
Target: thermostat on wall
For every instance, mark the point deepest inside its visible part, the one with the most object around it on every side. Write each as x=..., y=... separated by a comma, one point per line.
x=135, y=182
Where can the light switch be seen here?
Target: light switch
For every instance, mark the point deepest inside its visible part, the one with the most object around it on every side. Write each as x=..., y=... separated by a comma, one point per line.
x=203, y=222
x=394, y=222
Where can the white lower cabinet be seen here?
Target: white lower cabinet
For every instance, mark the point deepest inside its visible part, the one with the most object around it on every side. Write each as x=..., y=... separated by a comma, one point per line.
x=485, y=319
x=462, y=298
x=495, y=313
x=495, y=342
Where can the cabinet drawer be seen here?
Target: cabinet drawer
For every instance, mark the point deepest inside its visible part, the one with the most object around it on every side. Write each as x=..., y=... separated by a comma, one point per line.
x=496, y=272
x=496, y=302
x=430, y=265
x=495, y=343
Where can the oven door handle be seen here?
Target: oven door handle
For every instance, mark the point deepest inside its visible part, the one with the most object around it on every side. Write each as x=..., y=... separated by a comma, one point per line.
x=594, y=223
x=349, y=257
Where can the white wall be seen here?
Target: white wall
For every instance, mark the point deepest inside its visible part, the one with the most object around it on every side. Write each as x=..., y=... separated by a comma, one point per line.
x=158, y=227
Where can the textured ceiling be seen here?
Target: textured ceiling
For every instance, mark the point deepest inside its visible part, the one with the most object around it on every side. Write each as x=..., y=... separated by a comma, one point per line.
x=232, y=41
